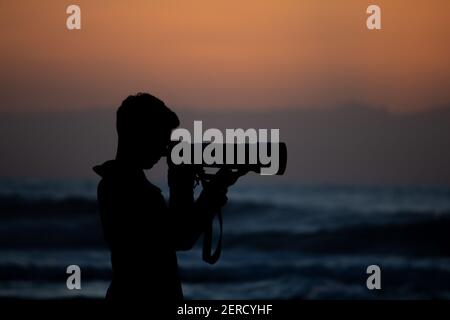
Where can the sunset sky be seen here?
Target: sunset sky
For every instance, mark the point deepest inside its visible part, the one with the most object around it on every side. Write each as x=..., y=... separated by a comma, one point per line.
x=353, y=105
x=225, y=54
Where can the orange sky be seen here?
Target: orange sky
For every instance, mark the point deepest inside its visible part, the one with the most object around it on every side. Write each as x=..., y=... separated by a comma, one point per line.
x=225, y=54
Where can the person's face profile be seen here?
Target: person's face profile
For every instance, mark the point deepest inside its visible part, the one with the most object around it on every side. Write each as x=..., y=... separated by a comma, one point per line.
x=153, y=146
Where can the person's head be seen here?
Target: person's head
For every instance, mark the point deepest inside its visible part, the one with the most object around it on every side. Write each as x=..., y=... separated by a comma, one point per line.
x=144, y=124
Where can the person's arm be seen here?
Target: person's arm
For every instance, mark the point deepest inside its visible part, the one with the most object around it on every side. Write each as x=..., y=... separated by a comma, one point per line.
x=191, y=217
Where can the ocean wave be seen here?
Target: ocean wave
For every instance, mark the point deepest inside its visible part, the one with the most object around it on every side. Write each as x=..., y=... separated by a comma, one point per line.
x=423, y=237
x=419, y=237
x=15, y=205
x=424, y=271
x=36, y=272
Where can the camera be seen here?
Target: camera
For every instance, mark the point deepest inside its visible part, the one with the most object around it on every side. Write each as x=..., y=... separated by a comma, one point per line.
x=265, y=158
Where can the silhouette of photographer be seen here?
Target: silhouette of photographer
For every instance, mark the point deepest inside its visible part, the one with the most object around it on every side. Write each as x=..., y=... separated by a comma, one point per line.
x=142, y=231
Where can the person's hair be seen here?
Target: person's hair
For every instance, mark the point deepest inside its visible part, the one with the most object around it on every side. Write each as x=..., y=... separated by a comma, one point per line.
x=144, y=110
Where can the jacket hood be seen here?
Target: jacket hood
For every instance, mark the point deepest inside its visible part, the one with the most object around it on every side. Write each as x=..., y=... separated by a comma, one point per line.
x=105, y=169
x=113, y=168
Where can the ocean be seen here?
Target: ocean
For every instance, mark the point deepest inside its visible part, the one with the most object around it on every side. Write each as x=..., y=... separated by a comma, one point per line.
x=280, y=242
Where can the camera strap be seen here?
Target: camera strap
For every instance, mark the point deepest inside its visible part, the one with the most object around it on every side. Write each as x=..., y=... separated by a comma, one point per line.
x=208, y=256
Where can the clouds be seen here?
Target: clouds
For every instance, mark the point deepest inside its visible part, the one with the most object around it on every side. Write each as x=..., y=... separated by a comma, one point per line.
x=345, y=145
x=225, y=54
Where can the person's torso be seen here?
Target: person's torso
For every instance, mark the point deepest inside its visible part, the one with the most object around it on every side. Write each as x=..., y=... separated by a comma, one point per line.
x=137, y=228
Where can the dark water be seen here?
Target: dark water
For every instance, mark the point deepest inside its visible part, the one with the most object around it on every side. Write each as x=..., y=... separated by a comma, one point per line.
x=281, y=242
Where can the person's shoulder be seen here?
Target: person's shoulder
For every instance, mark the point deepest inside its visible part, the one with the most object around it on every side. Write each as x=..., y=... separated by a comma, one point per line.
x=112, y=177
x=153, y=188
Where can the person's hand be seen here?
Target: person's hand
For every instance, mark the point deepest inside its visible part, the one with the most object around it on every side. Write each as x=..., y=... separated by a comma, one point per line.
x=215, y=188
x=181, y=176
x=224, y=178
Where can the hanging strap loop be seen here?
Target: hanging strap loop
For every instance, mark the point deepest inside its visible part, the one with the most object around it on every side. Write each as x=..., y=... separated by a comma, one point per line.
x=208, y=256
